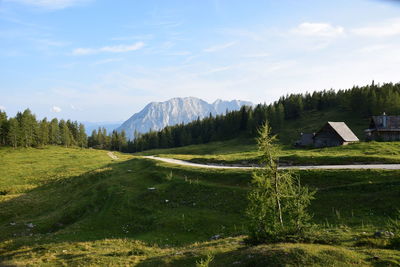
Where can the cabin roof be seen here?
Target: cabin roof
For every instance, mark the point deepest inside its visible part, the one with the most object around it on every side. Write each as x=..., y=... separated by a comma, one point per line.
x=385, y=122
x=343, y=131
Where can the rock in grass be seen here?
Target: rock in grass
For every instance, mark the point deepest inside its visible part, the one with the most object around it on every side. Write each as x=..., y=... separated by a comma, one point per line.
x=383, y=234
x=215, y=237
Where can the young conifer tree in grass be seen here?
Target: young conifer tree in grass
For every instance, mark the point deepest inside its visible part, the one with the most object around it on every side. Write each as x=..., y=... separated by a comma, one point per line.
x=278, y=203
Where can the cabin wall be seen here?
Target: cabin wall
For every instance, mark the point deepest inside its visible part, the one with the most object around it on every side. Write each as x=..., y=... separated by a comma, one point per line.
x=327, y=137
x=385, y=136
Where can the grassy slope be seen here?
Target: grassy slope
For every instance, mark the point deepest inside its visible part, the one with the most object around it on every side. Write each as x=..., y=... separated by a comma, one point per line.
x=244, y=150
x=238, y=152
x=88, y=210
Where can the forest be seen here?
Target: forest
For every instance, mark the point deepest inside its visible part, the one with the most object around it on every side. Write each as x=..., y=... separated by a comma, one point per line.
x=24, y=130
x=362, y=101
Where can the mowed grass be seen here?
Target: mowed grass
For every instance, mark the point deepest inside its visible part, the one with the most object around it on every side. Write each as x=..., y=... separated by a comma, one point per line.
x=79, y=207
x=243, y=151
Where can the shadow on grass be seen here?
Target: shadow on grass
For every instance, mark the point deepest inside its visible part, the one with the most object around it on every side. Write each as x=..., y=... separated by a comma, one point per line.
x=118, y=201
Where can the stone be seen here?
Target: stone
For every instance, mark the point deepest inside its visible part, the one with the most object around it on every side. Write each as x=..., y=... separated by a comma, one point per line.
x=215, y=237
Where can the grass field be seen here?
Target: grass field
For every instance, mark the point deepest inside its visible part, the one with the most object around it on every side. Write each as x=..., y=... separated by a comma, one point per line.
x=244, y=151
x=68, y=206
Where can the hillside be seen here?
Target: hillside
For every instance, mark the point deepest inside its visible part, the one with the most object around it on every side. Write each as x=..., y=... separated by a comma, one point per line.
x=68, y=206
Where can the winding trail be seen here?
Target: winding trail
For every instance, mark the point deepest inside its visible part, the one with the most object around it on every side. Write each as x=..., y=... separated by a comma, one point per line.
x=111, y=155
x=310, y=167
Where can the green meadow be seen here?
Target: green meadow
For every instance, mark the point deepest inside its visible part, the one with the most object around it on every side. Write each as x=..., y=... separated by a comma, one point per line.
x=78, y=207
x=244, y=151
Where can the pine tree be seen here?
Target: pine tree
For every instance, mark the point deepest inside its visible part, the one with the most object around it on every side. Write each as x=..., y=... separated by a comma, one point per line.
x=28, y=128
x=54, y=132
x=277, y=201
x=122, y=141
x=65, y=134
x=82, y=139
x=3, y=128
x=43, y=132
x=14, y=135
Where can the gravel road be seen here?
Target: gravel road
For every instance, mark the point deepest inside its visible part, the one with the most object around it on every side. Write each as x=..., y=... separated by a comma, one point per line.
x=311, y=167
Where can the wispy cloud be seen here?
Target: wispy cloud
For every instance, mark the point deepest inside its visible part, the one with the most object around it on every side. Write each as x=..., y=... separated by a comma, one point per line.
x=387, y=29
x=109, y=49
x=258, y=55
x=56, y=109
x=50, y=4
x=133, y=37
x=219, y=47
x=3, y=108
x=318, y=30
x=107, y=60
x=179, y=53
x=73, y=107
x=374, y=48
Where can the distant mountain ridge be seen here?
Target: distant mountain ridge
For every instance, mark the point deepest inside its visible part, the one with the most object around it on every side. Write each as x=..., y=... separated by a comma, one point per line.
x=157, y=115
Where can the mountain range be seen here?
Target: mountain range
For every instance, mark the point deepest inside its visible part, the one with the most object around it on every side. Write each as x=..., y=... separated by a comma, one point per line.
x=157, y=115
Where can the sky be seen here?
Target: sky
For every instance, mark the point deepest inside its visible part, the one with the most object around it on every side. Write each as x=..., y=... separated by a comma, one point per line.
x=101, y=60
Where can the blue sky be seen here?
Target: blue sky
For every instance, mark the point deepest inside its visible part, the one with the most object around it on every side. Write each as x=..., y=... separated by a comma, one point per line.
x=98, y=60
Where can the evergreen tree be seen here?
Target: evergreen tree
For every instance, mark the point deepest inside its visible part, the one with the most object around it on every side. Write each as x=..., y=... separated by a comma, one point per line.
x=28, y=128
x=54, y=132
x=82, y=139
x=65, y=134
x=277, y=201
x=3, y=128
x=14, y=135
x=43, y=132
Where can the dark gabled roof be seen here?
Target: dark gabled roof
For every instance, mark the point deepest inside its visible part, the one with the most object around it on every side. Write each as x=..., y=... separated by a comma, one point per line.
x=385, y=122
x=343, y=131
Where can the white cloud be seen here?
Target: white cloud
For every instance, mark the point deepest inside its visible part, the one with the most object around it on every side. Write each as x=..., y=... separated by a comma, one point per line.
x=219, y=47
x=56, y=109
x=318, y=30
x=387, y=29
x=50, y=4
x=109, y=49
x=3, y=108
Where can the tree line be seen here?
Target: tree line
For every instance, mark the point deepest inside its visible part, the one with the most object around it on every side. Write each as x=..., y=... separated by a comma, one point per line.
x=362, y=101
x=24, y=130
x=114, y=141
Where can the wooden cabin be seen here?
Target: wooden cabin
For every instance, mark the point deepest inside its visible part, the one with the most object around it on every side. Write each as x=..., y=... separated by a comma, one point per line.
x=334, y=134
x=383, y=128
x=306, y=139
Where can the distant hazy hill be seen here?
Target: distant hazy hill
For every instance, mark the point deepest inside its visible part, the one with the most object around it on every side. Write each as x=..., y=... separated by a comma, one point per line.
x=157, y=115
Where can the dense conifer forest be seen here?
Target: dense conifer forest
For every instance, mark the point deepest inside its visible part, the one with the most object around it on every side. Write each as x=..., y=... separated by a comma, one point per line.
x=24, y=130
x=360, y=101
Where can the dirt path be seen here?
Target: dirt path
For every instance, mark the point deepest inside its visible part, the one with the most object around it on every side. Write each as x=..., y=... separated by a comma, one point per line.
x=111, y=155
x=209, y=166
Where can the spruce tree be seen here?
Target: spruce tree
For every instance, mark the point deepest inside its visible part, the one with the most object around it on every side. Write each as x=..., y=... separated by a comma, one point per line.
x=82, y=139
x=278, y=203
x=43, y=132
x=14, y=135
